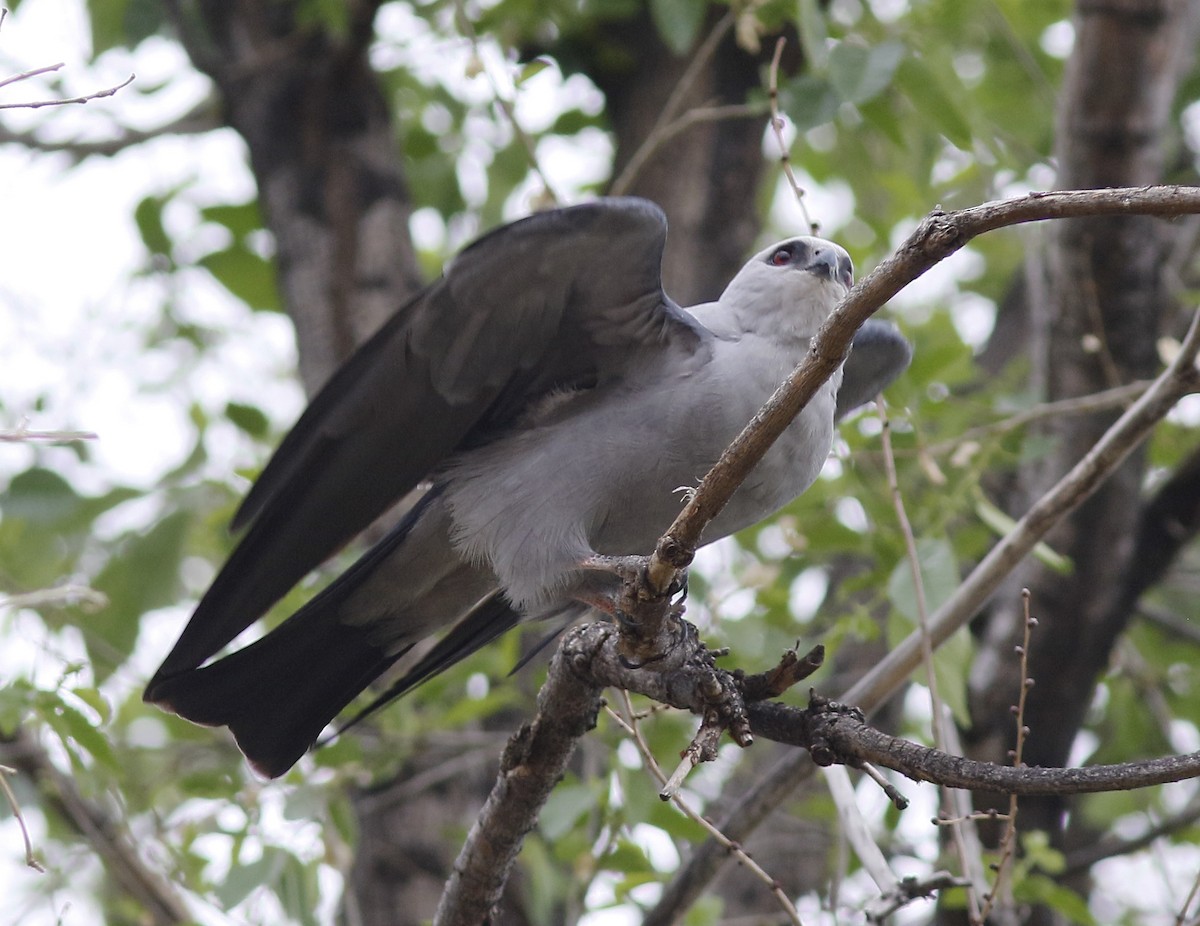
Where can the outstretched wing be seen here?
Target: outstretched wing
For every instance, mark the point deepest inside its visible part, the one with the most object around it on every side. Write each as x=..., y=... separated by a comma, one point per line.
x=558, y=300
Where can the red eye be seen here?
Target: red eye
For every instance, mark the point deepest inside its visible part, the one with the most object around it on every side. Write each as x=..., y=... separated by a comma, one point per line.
x=782, y=257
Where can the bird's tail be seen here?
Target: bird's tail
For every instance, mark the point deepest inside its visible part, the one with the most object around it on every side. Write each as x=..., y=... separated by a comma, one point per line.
x=277, y=694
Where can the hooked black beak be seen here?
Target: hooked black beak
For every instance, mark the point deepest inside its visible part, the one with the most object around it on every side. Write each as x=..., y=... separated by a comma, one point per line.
x=832, y=265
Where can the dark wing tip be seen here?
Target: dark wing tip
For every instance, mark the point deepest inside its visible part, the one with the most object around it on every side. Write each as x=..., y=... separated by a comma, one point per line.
x=878, y=355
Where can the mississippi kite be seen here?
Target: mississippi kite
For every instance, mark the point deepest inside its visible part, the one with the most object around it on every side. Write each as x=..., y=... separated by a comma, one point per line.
x=551, y=399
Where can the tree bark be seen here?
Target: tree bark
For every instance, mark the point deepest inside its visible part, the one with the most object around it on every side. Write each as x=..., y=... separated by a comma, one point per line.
x=1106, y=302
x=323, y=149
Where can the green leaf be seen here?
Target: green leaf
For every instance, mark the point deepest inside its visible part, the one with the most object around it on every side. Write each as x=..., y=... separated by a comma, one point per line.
x=939, y=579
x=95, y=700
x=809, y=101
x=108, y=24
x=298, y=891
x=242, y=879
x=40, y=496
x=532, y=69
x=678, y=22
x=705, y=911
x=566, y=806
x=16, y=701
x=1040, y=889
x=924, y=90
x=248, y=418
x=572, y=122
x=239, y=218
x=1002, y=524
x=813, y=34
x=142, y=575
x=246, y=275
x=148, y=215
x=859, y=74
x=76, y=731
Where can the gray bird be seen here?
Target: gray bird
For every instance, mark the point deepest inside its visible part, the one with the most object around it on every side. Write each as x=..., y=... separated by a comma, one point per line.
x=550, y=399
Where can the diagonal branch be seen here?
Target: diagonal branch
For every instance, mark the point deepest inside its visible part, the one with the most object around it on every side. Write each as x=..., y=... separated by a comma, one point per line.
x=161, y=903
x=533, y=763
x=566, y=710
x=938, y=236
x=201, y=118
x=935, y=239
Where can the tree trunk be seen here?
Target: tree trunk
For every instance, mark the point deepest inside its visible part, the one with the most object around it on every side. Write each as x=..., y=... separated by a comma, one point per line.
x=1105, y=304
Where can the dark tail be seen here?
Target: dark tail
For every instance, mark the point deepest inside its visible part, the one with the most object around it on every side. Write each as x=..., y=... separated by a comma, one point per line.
x=487, y=621
x=278, y=694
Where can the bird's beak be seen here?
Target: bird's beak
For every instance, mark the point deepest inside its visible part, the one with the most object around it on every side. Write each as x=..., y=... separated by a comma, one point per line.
x=831, y=265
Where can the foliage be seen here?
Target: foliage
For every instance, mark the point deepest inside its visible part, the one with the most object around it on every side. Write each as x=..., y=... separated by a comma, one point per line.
x=901, y=107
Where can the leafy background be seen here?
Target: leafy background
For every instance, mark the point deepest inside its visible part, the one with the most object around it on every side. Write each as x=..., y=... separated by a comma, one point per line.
x=141, y=303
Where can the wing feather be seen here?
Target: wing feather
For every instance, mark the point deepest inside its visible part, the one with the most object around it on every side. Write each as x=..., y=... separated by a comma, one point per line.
x=552, y=301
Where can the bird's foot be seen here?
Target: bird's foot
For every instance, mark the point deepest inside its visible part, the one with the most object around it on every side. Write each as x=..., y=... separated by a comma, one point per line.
x=630, y=568
x=625, y=568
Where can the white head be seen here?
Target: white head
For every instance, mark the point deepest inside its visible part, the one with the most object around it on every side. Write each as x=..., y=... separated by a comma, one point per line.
x=790, y=287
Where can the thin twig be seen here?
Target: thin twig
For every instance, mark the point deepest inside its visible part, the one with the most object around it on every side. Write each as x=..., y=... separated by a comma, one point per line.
x=1081, y=859
x=24, y=435
x=660, y=137
x=698, y=63
x=26, y=75
x=201, y=118
x=954, y=803
x=89, y=598
x=785, y=158
x=1182, y=918
x=1106, y=400
x=914, y=567
x=633, y=729
x=856, y=831
x=1008, y=841
x=86, y=98
x=523, y=137
x=30, y=858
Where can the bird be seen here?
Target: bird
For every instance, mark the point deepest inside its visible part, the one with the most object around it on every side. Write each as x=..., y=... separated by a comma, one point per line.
x=543, y=401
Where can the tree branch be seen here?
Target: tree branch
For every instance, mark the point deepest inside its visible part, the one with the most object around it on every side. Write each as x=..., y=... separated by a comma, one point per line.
x=935, y=239
x=201, y=118
x=108, y=838
x=532, y=764
x=939, y=235
x=834, y=734
x=86, y=98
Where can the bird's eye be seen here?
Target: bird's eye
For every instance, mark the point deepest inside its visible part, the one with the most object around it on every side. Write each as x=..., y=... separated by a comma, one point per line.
x=781, y=257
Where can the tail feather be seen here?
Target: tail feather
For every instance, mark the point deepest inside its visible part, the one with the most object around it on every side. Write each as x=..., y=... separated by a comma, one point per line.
x=278, y=694
x=487, y=621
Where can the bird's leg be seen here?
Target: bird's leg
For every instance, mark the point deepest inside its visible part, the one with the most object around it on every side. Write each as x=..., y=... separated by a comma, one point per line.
x=650, y=627
x=625, y=568
x=629, y=568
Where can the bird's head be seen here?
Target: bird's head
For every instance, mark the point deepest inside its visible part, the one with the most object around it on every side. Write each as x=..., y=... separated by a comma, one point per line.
x=792, y=285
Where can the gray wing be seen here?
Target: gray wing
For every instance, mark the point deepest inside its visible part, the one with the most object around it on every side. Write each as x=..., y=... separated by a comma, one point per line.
x=878, y=354
x=559, y=300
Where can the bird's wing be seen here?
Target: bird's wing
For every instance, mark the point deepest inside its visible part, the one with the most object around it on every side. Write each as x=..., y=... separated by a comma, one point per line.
x=878, y=354
x=559, y=300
